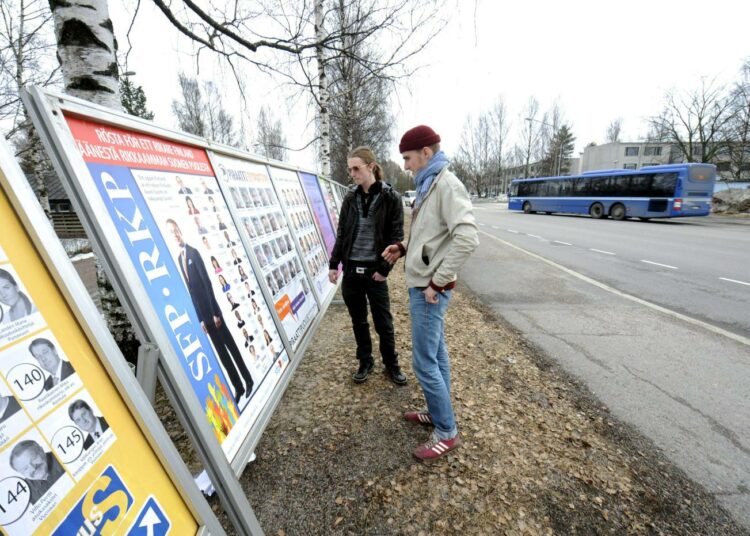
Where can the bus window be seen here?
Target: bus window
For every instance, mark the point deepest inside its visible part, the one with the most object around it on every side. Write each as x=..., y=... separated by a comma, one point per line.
x=582, y=187
x=553, y=188
x=663, y=184
x=640, y=186
x=566, y=187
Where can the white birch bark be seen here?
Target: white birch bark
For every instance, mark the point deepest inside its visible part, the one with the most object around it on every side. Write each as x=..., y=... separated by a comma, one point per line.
x=323, y=113
x=86, y=48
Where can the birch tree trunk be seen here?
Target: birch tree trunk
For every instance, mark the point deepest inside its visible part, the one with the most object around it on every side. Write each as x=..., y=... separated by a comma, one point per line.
x=86, y=48
x=323, y=112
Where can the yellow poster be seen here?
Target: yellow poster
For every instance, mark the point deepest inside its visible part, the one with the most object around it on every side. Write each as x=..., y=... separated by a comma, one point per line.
x=73, y=460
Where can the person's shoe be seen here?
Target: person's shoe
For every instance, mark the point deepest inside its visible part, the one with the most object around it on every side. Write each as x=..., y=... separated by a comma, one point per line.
x=435, y=447
x=420, y=417
x=363, y=372
x=395, y=374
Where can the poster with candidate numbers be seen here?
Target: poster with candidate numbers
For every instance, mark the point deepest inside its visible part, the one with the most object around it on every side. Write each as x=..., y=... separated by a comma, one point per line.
x=68, y=436
x=302, y=223
x=259, y=208
x=192, y=265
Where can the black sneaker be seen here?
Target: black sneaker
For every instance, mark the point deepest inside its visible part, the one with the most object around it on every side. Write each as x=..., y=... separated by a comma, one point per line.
x=363, y=372
x=395, y=375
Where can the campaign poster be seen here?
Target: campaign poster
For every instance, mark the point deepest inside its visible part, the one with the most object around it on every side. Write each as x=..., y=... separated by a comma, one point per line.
x=330, y=200
x=174, y=222
x=256, y=202
x=319, y=210
x=291, y=195
x=65, y=432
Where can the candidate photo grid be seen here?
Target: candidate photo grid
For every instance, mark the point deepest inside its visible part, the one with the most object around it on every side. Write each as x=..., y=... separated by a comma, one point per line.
x=234, y=282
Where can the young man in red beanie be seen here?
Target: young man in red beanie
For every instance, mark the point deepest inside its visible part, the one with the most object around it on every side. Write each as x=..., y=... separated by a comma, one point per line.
x=443, y=235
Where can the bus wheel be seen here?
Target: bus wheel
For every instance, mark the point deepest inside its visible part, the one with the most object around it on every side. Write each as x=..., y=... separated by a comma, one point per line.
x=596, y=211
x=644, y=219
x=527, y=208
x=617, y=211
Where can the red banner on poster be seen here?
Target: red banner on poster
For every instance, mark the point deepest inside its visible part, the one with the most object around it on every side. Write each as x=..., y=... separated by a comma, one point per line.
x=104, y=144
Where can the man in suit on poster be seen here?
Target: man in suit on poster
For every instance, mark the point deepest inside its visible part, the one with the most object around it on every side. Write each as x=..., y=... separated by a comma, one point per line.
x=94, y=427
x=183, y=189
x=46, y=354
x=209, y=314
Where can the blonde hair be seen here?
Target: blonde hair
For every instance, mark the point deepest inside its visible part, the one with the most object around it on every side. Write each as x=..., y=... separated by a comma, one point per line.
x=368, y=157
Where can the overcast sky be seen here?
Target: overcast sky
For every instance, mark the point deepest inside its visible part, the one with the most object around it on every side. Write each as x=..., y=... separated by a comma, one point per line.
x=599, y=60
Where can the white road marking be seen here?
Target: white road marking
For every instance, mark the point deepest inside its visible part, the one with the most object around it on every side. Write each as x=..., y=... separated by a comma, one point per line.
x=705, y=325
x=494, y=226
x=660, y=264
x=734, y=281
x=602, y=251
x=563, y=243
x=512, y=231
x=482, y=224
x=535, y=236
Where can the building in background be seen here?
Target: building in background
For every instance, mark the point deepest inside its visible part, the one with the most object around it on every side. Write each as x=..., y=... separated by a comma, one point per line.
x=635, y=155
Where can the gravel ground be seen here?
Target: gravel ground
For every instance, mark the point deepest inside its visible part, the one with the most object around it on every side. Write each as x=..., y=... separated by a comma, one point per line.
x=541, y=455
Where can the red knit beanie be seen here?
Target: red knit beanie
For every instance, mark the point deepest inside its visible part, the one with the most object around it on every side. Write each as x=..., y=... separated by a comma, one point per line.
x=418, y=137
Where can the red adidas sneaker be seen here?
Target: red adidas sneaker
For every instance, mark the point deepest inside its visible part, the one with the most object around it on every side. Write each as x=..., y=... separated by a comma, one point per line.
x=421, y=417
x=435, y=447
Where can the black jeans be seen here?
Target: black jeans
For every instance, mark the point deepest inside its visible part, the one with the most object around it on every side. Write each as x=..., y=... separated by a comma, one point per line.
x=357, y=290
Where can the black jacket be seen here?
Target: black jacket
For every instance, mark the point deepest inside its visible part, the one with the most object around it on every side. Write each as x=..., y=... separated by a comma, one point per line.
x=389, y=225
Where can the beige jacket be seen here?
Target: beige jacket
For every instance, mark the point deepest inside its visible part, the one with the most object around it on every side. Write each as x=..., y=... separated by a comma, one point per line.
x=443, y=234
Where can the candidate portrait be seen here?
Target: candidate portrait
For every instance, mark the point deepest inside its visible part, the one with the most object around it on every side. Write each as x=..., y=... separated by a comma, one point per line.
x=83, y=416
x=45, y=352
x=38, y=468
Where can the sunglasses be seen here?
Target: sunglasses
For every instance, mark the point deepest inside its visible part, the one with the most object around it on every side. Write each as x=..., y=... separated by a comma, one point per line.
x=356, y=168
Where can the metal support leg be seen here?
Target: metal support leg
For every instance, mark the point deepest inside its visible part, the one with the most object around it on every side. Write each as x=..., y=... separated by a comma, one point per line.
x=148, y=362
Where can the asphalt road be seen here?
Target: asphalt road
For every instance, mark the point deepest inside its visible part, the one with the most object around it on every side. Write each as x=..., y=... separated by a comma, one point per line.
x=653, y=317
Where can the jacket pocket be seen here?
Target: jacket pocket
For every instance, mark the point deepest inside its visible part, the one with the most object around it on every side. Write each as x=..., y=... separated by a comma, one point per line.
x=425, y=256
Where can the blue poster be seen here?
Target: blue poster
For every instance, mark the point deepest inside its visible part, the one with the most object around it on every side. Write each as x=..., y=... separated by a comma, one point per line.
x=167, y=290
x=320, y=210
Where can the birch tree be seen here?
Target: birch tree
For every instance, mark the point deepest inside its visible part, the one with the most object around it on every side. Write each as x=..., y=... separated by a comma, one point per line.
x=359, y=102
x=294, y=41
x=87, y=49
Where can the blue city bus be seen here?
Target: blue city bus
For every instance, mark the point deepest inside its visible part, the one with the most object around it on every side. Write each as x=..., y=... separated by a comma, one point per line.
x=668, y=191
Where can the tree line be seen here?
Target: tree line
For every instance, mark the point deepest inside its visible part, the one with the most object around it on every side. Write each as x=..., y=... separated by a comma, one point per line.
x=707, y=123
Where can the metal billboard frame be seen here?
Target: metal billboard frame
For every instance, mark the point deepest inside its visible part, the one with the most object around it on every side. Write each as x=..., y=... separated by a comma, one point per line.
x=46, y=110
x=77, y=298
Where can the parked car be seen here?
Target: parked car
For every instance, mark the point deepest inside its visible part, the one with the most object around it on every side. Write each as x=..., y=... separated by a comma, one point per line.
x=409, y=197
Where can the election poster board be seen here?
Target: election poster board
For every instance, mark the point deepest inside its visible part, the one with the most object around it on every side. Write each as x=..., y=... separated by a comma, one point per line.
x=171, y=217
x=320, y=209
x=68, y=431
x=257, y=205
x=300, y=218
x=334, y=208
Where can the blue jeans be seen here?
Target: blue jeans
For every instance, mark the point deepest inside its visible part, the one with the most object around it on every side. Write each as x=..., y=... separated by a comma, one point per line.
x=430, y=358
